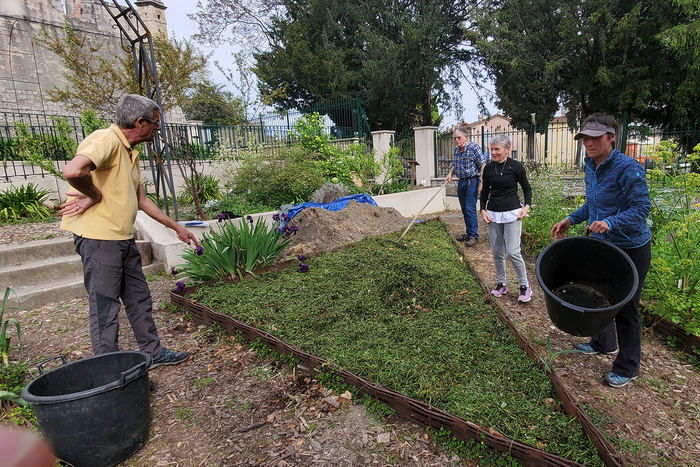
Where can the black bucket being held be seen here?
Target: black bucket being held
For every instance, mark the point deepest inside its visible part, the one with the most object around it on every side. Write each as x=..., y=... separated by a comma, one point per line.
x=586, y=282
x=94, y=411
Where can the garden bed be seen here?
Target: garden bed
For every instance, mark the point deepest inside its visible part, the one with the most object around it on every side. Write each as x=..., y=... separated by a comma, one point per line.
x=446, y=319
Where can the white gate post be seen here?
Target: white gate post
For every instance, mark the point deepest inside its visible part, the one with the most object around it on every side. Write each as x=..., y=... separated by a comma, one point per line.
x=381, y=142
x=425, y=154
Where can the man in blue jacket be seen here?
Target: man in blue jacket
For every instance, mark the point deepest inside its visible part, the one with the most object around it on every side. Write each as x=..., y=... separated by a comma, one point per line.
x=616, y=208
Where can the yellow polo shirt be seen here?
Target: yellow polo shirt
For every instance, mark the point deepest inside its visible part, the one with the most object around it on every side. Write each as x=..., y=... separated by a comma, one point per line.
x=118, y=177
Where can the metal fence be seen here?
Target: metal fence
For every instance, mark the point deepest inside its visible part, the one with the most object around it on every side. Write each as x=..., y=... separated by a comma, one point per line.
x=406, y=144
x=56, y=137
x=554, y=143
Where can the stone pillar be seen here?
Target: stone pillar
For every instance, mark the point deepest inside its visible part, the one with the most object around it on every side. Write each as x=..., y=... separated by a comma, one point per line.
x=381, y=142
x=425, y=154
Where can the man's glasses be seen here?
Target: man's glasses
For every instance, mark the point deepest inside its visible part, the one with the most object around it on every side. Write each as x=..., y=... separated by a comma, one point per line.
x=151, y=122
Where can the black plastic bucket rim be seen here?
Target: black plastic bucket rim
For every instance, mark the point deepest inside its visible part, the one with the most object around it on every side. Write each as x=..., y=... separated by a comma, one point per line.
x=125, y=378
x=612, y=309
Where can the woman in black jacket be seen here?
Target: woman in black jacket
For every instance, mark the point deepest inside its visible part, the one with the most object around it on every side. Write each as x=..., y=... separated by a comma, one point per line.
x=502, y=211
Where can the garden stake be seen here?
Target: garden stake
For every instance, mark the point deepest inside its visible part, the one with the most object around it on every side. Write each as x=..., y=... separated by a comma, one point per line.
x=398, y=242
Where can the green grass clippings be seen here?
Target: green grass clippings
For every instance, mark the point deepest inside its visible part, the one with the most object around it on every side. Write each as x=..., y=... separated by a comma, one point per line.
x=413, y=321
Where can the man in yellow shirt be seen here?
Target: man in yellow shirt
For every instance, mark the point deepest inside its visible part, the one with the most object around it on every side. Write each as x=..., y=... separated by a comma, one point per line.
x=101, y=213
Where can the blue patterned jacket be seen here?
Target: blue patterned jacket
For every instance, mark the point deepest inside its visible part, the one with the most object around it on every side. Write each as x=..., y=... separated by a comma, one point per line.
x=617, y=193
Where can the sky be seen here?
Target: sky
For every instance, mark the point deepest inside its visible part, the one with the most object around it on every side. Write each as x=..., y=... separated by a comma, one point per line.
x=183, y=27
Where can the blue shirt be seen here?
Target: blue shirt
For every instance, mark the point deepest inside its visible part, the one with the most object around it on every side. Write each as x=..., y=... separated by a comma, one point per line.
x=468, y=163
x=617, y=193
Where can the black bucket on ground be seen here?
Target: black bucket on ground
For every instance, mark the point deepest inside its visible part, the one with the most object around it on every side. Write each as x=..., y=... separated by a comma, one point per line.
x=586, y=282
x=94, y=411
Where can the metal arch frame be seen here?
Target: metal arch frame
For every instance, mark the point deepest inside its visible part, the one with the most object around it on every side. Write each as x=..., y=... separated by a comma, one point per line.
x=134, y=30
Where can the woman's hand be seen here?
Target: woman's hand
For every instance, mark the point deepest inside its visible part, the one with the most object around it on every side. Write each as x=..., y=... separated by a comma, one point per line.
x=560, y=228
x=523, y=212
x=599, y=227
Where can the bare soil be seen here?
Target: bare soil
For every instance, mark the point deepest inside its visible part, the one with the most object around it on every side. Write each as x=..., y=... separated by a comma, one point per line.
x=226, y=406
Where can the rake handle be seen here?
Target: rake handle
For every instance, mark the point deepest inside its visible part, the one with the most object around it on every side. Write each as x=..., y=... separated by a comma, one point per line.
x=421, y=210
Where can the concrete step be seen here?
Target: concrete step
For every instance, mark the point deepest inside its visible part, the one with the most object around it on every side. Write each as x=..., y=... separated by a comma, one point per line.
x=34, y=272
x=63, y=288
x=36, y=250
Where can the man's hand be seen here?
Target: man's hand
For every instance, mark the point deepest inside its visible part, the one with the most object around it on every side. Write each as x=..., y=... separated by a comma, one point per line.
x=78, y=205
x=185, y=235
x=485, y=216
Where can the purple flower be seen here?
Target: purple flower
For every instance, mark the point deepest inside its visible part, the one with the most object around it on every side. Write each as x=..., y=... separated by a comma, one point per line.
x=249, y=219
x=198, y=250
x=173, y=271
x=294, y=229
x=221, y=217
x=301, y=258
x=276, y=217
x=303, y=267
x=180, y=286
x=286, y=217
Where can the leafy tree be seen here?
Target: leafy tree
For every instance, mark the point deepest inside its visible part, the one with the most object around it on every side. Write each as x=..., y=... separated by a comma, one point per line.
x=213, y=105
x=399, y=56
x=92, y=80
x=98, y=82
x=587, y=56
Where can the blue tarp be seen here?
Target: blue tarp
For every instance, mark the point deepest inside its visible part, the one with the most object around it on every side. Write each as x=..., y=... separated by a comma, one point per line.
x=336, y=205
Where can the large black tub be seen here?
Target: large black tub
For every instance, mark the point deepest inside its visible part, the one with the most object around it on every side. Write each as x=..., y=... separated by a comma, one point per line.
x=586, y=281
x=94, y=411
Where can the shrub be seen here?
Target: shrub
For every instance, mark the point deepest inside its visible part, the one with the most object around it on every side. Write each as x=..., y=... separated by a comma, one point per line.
x=24, y=201
x=549, y=205
x=290, y=177
x=671, y=285
x=209, y=186
x=236, y=204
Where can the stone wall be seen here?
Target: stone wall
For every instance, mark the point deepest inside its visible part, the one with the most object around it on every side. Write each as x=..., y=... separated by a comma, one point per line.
x=27, y=70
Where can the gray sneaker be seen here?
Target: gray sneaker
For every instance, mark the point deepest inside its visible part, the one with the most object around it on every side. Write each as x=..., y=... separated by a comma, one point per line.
x=471, y=241
x=168, y=357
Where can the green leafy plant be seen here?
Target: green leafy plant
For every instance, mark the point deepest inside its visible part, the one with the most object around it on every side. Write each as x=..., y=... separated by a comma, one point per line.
x=4, y=338
x=239, y=247
x=550, y=204
x=91, y=121
x=291, y=176
x=671, y=286
x=42, y=149
x=311, y=134
x=209, y=189
x=20, y=201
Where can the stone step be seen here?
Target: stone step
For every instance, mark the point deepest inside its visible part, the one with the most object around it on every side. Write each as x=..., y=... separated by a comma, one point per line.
x=36, y=250
x=64, y=288
x=34, y=272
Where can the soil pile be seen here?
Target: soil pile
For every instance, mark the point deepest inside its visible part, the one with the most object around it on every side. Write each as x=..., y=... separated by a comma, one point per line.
x=323, y=230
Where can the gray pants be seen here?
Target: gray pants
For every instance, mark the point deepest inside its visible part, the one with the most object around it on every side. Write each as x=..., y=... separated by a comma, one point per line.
x=506, y=238
x=112, y=271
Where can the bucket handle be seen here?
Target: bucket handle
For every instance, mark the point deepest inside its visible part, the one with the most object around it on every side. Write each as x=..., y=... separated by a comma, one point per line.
x=41, y=364
x=127, y=373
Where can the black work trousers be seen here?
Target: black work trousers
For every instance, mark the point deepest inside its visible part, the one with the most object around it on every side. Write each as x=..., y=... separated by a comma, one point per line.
x=626, y=330
x=112, y=273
